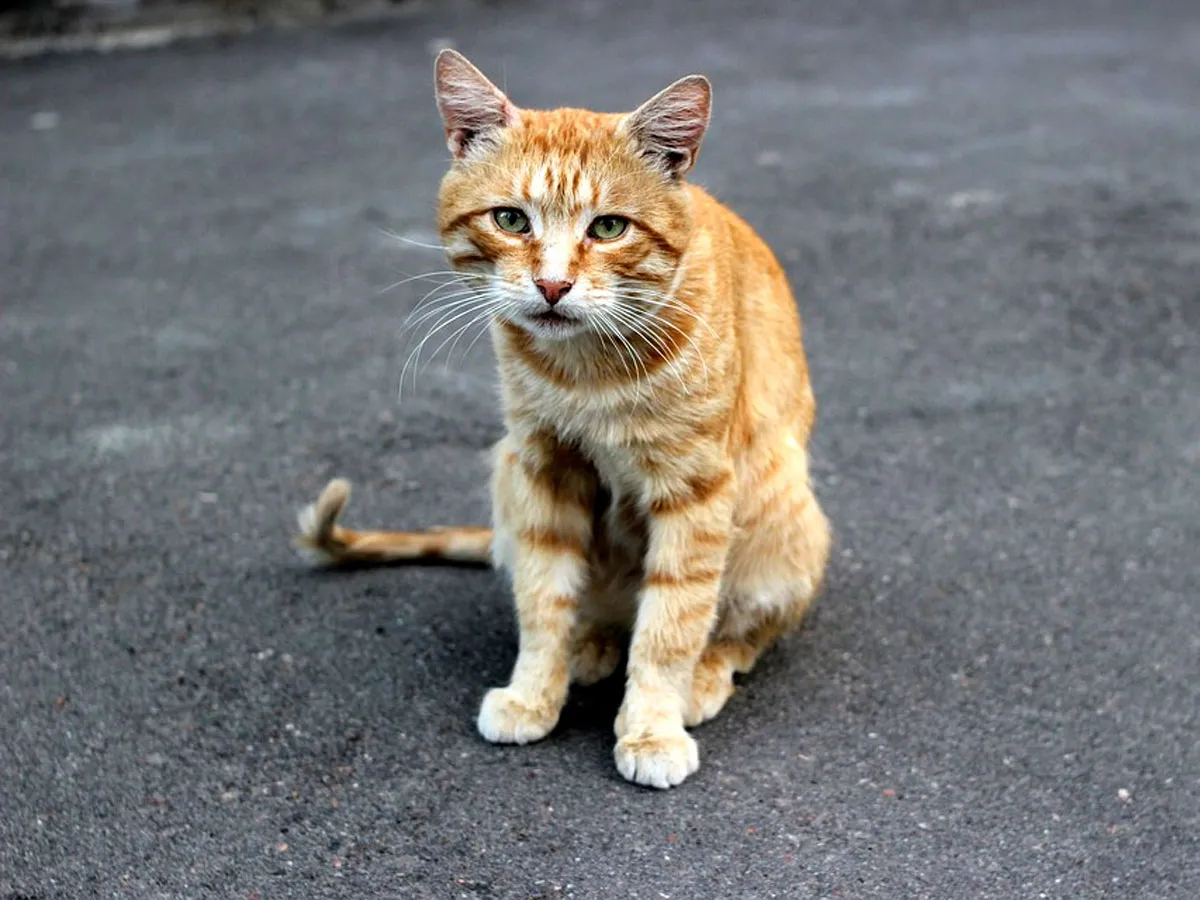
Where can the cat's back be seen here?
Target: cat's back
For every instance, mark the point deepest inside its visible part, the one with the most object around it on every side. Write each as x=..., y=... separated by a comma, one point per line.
x=749, y=284
x=735, y=250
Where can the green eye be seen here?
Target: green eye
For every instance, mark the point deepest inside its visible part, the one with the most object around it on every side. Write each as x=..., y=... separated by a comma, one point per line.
x=511, y=220
x=608, y=228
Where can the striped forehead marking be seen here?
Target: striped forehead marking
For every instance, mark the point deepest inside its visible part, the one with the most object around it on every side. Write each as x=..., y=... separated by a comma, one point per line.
x=562, y=183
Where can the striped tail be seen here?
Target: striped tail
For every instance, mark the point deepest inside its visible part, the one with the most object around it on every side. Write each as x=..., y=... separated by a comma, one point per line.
x=327, y=543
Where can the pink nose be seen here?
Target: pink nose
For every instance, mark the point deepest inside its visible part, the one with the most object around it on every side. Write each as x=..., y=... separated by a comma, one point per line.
x=553, y=291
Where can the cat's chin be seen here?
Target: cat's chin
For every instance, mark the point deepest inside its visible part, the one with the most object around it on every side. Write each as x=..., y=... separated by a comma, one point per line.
x=552, y=326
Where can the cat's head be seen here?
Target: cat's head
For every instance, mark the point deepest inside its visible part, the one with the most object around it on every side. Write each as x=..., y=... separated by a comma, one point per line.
x=575, y=221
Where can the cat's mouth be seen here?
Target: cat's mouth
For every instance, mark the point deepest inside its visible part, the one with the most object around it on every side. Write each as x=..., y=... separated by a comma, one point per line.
x=553, y=321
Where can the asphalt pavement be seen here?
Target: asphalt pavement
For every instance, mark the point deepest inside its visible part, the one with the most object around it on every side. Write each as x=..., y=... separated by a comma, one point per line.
x=990, y=213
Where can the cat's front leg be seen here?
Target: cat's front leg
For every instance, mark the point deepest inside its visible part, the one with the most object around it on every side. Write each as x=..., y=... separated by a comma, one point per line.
x=689, y=525
x=542, y=497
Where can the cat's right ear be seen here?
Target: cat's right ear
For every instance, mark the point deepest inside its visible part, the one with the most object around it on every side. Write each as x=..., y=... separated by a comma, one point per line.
x=473, y=109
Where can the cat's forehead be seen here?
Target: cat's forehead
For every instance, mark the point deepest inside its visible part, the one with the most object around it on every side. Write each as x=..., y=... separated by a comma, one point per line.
x=567, y=158
x=557, y=130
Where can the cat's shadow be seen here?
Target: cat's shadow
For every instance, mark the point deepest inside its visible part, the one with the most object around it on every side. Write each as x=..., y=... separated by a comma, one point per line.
x=592, y=709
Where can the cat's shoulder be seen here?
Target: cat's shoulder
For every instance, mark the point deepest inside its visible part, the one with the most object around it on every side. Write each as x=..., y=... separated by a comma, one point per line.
x=726, y=226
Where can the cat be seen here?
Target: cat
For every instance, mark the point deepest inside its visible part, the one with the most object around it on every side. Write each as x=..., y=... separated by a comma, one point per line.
x=653, y=483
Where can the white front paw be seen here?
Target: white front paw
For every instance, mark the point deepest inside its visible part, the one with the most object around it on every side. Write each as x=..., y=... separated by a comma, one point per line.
x=657, y=758
x=505, y=718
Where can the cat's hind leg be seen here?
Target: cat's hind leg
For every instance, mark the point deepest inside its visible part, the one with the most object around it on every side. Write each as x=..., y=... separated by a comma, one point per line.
x=773, y=574
x=607, y=609
x=595, y=652
x=712, y=682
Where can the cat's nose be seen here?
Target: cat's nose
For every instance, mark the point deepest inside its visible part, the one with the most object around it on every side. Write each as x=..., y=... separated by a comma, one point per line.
x=553, y=291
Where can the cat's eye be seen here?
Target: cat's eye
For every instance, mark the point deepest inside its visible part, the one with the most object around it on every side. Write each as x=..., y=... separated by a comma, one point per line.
x=511, y=220
x=607, y=228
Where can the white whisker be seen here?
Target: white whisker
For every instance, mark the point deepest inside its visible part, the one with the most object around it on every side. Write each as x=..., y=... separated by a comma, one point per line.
x=453, y=276
x=471, y=323
x=638, y=362
x=412, y=243
x=616, y=335
x=444, y=304
x=647, y=324
x=432, y=297
x=665, y=301
x=448, y=319
x=647, y=331
x=484, y=331
x=474, y=308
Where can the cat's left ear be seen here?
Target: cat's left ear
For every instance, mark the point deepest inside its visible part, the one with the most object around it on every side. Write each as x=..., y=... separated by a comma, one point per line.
x=669, y=127
x=473, y=109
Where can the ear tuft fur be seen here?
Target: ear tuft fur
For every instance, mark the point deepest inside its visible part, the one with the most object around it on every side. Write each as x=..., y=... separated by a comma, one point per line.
x=669, y=127
x=472, y=108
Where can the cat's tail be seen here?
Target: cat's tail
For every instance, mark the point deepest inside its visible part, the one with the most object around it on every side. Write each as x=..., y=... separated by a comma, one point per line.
x=326, y=542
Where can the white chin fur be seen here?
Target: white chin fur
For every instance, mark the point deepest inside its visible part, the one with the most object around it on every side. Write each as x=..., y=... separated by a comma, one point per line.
x=552, y=332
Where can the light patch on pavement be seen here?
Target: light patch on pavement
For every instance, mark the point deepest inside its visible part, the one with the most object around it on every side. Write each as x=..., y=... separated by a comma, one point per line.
x=177, y=337
x=43, y=121
x=159, y=440
x=973, y=197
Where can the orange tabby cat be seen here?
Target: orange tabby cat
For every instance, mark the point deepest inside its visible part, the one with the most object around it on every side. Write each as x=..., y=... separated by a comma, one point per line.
x=654, y=477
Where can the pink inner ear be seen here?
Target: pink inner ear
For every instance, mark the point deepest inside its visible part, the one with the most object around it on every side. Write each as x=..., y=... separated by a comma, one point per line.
x=465, y=107
x=470, y=105
x=671, y=125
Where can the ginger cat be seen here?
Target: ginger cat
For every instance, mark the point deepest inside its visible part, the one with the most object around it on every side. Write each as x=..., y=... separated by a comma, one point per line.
x=653, y=480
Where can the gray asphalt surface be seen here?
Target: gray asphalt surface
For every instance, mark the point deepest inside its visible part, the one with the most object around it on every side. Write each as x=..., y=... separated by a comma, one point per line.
x=992, y=221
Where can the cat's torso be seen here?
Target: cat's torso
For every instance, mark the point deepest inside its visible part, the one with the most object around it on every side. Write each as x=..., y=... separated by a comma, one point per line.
x=624, y=426
x=631, y=432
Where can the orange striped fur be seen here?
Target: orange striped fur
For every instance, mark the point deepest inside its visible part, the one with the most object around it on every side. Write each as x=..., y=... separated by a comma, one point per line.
x=653, y=484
